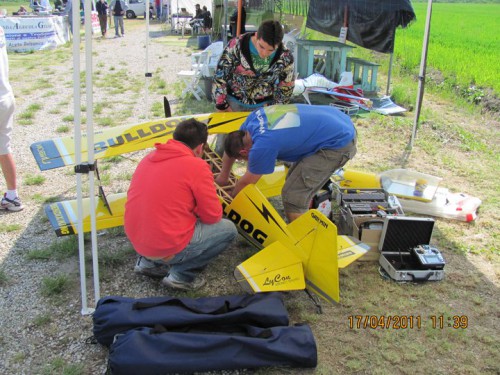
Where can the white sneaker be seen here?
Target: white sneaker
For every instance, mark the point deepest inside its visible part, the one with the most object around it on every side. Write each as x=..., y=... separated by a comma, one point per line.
x=11, y=204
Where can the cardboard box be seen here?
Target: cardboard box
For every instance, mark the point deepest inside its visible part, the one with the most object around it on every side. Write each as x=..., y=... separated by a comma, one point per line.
x=368, y=230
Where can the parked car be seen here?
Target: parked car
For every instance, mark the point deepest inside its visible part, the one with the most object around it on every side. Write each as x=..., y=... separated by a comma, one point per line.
x=136, y=8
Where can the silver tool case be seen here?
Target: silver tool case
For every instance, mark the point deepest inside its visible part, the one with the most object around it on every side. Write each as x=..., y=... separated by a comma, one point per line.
x=401, y=235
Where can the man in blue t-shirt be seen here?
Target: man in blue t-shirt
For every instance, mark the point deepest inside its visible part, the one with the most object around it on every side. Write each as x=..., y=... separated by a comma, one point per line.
x=317, y=139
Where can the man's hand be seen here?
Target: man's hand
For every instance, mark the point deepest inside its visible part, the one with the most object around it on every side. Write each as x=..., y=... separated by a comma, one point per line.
x=221, y=181
x=246, y=179
x=223, y=177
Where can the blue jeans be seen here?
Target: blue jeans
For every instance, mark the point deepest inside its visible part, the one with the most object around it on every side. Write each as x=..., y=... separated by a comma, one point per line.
x=207, y=242
x=119, y=25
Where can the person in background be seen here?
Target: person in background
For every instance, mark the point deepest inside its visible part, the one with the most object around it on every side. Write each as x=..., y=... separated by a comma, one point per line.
x=102, y=12
x=165, y=12
x=158, y=9
x=233, y=20
x=118, y=8
x=173, y=216
x=10, y=200
x=207, y=19
x=254, y=70
x=21, y=11
x=318, y=140
x=58, y=5
x=68, y=11
x=197, y=20
x=35, y=5
x=197, y=11
x=45, y=6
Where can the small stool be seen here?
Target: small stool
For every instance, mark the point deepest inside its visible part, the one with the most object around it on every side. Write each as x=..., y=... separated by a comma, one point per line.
x=363, y=71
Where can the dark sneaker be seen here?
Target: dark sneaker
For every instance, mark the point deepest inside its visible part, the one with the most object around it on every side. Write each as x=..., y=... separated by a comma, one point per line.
x=180, y=285
x=11, y=204
x=147, y=267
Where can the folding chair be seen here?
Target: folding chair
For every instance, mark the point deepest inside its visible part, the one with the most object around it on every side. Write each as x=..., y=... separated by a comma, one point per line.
x=191, y=78
x=215, y=51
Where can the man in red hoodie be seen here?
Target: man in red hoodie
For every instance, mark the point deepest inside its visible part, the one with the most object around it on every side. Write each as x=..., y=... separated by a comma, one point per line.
x=173, y=216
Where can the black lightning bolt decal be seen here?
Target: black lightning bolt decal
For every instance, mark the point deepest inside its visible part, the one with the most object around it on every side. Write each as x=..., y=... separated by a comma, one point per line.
x=266, y=214
x=217, y=124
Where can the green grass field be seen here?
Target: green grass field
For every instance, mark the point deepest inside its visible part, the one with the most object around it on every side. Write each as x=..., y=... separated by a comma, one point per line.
x=464, y=43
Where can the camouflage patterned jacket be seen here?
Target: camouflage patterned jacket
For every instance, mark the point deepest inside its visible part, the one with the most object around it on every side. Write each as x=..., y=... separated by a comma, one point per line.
x=236, y=76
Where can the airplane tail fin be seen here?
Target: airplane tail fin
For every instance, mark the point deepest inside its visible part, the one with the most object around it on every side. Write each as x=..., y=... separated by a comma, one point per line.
x=317, y=246
x=311, y=239
x=276, y=267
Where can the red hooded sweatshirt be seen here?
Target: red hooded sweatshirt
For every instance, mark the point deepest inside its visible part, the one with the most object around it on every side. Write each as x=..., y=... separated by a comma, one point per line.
x=170, y=189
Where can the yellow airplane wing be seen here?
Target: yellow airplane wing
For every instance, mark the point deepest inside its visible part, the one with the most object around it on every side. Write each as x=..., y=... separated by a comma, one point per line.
x=63, y=216
x=60, y=152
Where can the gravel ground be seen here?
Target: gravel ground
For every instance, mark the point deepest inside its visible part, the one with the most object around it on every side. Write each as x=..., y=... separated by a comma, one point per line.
x=26, y=345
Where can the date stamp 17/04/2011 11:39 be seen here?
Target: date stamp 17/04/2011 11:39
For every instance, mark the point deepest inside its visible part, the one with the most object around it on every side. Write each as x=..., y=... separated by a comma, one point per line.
x=407, y=321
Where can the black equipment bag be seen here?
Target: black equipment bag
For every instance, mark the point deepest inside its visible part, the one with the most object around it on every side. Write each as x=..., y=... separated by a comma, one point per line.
x=115, y=314
x=150, y=351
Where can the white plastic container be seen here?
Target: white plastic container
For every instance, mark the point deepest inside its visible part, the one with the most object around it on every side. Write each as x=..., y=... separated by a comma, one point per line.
x=457, y=206
x=408, y=184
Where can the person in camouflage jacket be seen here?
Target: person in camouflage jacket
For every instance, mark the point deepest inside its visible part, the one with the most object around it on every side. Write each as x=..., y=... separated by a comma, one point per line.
x=255, y=70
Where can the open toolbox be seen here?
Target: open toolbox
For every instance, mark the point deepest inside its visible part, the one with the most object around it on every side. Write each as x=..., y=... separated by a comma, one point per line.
x=361, y=215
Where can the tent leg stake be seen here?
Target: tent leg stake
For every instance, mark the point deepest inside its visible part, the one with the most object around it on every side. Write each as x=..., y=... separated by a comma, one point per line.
x=316, y=301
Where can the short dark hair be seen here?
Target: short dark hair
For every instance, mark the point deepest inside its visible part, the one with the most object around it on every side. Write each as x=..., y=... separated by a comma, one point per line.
x=271, y=32
x=191, y=132
x=234, y=143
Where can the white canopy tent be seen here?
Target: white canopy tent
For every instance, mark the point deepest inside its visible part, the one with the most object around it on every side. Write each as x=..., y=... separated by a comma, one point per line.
x=177, y=5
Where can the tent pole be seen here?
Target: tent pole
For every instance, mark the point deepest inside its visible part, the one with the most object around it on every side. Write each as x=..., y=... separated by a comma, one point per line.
x=90, y=145
x=421, y=76
x=238, y=20
x=75, y=14
x=147, y=74
x=389, y=73
x=224, y=30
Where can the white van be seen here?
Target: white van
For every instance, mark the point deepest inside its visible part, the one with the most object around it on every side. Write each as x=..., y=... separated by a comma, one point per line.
x=136, y=8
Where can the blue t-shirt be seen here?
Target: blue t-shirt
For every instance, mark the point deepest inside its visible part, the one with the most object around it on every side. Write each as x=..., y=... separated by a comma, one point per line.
x=293, y=132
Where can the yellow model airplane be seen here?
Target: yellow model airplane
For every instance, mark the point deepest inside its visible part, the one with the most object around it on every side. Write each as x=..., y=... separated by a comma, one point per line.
x=304, y=254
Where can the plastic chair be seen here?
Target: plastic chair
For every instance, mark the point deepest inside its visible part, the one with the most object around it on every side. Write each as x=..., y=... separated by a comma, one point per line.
x=215, y=52
x=191, y=78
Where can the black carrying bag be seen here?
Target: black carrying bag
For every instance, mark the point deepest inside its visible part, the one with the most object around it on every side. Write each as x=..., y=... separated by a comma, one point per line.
x=115, y=314
x=153, y=351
